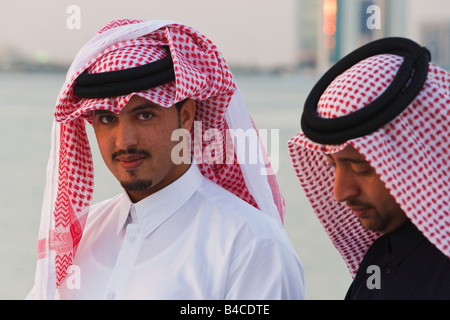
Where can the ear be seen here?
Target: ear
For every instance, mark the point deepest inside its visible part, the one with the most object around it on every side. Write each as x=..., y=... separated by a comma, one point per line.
x=187, y=114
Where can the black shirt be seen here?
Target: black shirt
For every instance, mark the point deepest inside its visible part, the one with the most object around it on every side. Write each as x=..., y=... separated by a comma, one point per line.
x=402, y=264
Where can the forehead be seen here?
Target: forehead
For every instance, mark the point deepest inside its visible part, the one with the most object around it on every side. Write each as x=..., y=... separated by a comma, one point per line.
x=349, y=153
x=135, y=103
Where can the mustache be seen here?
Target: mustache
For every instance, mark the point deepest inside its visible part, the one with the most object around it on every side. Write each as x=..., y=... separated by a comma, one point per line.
x=357, y=203
x=130, y=151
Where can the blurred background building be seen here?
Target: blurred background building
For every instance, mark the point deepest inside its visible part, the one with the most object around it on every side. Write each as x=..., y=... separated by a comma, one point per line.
x=282, y=46
x=253, y=35
x=329, y=29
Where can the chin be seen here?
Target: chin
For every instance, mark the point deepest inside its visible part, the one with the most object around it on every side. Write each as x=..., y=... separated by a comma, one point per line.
x=137, y=185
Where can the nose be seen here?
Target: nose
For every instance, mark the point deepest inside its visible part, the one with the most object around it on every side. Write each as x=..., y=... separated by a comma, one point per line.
x=345, y=186
x=126, y=135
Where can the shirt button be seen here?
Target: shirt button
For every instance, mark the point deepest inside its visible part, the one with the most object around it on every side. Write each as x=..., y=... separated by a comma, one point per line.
x=132, y=239
x=110, y=296
x=387, y=270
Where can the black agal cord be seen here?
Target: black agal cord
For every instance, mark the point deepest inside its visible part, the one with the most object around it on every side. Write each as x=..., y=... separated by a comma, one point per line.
x=122, y=82
x=401, y=92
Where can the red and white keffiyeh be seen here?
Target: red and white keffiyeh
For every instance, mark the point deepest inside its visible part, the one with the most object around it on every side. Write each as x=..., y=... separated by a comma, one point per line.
x=411, y=155
x=201, y=74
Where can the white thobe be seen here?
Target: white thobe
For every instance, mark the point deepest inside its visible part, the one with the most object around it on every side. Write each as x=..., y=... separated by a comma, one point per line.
x=190, y=240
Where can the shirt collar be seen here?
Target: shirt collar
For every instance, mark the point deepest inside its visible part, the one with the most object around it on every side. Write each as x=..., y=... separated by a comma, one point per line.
x=152, y=211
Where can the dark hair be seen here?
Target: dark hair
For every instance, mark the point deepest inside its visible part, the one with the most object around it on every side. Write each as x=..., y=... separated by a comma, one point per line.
x=180, y=104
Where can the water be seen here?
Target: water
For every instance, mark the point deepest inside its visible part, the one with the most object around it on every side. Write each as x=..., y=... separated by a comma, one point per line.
x=26, y=106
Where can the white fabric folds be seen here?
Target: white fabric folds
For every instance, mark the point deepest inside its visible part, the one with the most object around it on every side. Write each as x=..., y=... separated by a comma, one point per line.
x=201, y=74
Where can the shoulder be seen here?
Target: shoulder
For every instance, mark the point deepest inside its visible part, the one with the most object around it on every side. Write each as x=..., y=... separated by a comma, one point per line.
x=105, y=206
x=106, y=203
x=232, y=210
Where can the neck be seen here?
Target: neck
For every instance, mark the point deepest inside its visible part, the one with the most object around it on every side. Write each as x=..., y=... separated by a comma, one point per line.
x=143, y=189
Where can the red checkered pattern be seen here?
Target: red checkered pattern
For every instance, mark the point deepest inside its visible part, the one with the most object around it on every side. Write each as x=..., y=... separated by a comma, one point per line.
x=410, y=154
x=201, y=74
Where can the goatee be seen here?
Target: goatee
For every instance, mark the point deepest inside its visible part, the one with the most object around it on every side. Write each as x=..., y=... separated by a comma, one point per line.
x=137, y=185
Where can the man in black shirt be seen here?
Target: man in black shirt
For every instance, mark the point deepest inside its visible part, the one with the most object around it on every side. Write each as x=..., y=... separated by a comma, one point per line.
x=407, y=265
x=373, y=159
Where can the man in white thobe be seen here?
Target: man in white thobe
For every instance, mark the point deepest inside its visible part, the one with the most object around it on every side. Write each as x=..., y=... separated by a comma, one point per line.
x=203, y=243
x=211, y=229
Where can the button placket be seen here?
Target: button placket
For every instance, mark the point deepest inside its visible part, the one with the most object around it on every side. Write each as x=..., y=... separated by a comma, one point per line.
x=125, y=262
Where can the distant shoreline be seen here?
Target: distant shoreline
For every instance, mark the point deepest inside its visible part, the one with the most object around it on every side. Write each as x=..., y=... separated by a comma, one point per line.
x=30, y=67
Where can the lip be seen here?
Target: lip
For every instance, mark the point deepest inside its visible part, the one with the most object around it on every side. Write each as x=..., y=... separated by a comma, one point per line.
x=130, y=162
x=359, y=212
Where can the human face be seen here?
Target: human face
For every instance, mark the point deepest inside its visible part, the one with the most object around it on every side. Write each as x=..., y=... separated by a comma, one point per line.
x=357, y=184
x=136, y=144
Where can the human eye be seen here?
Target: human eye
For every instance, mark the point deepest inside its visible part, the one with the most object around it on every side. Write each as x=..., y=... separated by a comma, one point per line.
x=362, y=169
x=144, y=116
x=106, y=119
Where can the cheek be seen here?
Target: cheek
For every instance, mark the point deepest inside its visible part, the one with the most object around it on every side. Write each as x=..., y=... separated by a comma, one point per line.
x=105, y=145
x=390, y=204
x=156, y=141
x=382, y=198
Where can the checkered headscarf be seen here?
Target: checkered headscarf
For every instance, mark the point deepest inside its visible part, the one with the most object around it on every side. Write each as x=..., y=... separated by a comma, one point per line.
x=201, y=74
x=411, y=155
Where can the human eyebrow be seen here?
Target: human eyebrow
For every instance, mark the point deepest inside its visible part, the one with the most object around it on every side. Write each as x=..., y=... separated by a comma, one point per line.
x=146, y=107
x=101, y=112
x=352, y=160
x=331, y=159
x=143, y=107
